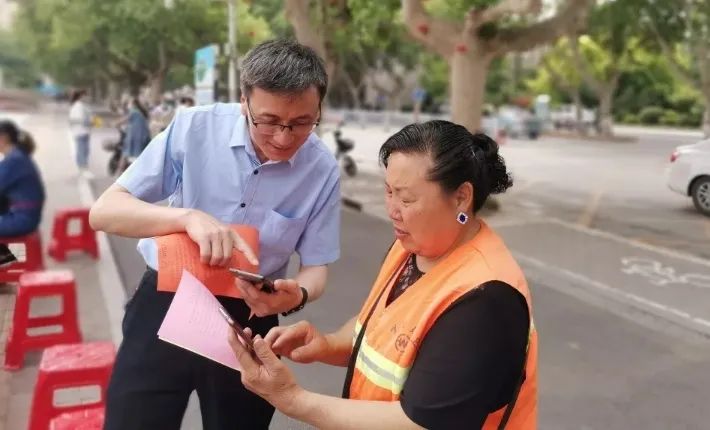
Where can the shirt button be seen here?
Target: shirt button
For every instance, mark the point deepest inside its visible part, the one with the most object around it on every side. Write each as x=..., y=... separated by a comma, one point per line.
x=243, y=205
x=256, y=172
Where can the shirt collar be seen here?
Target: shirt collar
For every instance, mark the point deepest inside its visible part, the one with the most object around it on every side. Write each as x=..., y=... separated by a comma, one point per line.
x=240, y=137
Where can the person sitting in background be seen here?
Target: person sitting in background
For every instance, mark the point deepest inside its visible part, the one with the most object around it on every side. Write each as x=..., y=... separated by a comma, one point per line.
x=21, y=189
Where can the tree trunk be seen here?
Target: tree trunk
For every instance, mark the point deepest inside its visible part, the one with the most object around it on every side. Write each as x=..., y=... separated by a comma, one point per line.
x=470, y=55
x=606, y=103
x=298, y=13
x=114, y=94
x=134, y=87
x=156, y=87
x=355, y=97
x=706, y=117
x=97, y=96
x=468, y=87
x=578, y=114
x=353, y=90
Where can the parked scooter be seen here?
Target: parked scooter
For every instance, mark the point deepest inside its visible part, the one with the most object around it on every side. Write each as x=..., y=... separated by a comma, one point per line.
x=343, y=146
x=116, y=149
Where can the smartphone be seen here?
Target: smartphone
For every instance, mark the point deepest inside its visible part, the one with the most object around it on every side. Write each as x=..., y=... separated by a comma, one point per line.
x=239, y=331
x=267, y=285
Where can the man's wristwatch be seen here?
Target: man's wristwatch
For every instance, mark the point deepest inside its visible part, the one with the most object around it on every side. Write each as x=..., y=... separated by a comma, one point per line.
x=300, y=306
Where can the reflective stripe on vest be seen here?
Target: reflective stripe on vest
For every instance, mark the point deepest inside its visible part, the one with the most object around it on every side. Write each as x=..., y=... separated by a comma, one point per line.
x=386, y=373
x=377, y=368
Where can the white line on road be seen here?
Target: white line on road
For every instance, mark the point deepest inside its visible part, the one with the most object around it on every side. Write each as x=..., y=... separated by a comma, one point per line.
x=693, y=321
x=508, y=223
x=661, y=275
x=635, y=243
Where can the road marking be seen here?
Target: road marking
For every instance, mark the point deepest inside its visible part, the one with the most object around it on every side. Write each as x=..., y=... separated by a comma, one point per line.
x=659, y=242
x=638, y=300
x=669, y=220
x=661, y=275
x=635, y=243
x=510, y=222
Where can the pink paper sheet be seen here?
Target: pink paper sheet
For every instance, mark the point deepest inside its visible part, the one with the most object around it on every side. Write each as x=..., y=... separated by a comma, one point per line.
x=193, y=322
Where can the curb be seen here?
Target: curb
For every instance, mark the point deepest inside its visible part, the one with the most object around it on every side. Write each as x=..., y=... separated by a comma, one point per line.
x=109, y=278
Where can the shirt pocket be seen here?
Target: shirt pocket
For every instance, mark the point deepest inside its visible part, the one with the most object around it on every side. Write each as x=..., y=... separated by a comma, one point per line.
x=279, y=234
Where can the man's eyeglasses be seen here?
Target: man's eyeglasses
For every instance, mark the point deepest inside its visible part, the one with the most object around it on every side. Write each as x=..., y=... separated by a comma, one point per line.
x=272, y=128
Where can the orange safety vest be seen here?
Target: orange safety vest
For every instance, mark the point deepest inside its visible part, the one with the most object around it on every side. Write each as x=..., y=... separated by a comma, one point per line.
x=394, y=333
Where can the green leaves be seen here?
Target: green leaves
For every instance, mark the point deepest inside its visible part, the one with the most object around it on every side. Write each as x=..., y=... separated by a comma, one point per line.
x=128, y=40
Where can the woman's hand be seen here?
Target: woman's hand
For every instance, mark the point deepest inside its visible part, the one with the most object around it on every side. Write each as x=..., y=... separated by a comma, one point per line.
x=270, y=379
x=300, y=342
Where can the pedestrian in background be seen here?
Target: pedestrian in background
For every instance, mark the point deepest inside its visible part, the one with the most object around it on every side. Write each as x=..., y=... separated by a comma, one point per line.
x=80, y=126
x=137, y=133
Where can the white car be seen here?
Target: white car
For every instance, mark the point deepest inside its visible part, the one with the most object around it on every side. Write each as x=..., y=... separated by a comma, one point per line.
x=689, y=174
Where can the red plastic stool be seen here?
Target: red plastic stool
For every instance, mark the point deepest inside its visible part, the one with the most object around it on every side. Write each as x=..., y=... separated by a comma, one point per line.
x=62, y=241
x=33, y=257
x=70, y=366
x=42, y=284
x=86, y=419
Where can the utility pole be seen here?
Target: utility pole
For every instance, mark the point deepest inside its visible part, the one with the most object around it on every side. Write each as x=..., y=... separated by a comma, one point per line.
x=233, y=55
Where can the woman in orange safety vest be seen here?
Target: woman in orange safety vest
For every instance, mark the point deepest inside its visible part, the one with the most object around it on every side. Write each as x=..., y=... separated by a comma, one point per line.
x=446, y=338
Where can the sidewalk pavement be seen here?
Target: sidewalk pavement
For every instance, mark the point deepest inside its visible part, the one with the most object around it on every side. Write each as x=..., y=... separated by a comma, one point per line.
x=94, y=279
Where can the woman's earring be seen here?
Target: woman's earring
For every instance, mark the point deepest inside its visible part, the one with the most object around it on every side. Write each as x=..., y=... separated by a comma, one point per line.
x=462, y=218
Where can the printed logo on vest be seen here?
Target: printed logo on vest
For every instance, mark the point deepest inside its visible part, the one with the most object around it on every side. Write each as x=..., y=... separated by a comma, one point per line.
x=402, y=342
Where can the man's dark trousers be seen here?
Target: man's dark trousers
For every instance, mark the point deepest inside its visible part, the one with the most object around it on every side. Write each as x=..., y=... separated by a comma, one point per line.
x=152, y=380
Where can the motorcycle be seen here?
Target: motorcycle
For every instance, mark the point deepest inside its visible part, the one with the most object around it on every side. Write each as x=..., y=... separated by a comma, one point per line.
x=343, y=146
x=115, y=147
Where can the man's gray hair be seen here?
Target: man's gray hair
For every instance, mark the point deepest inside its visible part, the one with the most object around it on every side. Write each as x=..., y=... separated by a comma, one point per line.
x=283, y=66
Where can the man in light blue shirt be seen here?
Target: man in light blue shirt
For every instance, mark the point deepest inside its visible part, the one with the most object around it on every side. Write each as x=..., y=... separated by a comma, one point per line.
x=256, y=163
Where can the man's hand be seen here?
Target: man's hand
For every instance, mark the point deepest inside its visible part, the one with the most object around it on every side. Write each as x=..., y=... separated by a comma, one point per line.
x=300, y=342
x=287, y=296
x=215, y=239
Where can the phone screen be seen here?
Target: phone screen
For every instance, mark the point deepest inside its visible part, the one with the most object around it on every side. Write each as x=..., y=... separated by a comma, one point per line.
x=246, y=340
